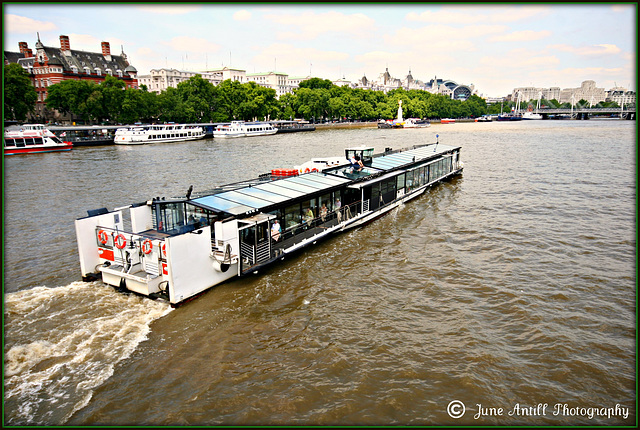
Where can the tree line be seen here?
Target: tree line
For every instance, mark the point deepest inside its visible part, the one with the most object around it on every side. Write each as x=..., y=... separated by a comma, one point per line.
x=196, y=100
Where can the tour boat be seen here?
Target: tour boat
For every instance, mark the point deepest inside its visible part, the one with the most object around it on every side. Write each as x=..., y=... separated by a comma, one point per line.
x=415, y=123
x=484, y=118
x=141, y=134
x=32, y=138
x=284, y=126
x=86, y=135
x=174, y=249
x=244, y=129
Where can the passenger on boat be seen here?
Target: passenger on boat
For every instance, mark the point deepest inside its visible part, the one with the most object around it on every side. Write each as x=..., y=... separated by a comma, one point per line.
x=356, y=163
x=323, y=212
x=338, y=210
x=308, y=216
x=275, y=231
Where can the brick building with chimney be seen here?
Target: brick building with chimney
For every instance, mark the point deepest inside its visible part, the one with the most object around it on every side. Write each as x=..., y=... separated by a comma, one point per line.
x=51, y=65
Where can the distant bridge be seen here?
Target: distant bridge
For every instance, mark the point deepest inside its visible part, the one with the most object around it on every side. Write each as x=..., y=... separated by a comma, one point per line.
x=585, y=113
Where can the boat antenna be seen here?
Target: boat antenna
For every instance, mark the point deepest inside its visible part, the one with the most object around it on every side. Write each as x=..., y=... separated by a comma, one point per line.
x=189, y=192
x=434, y=148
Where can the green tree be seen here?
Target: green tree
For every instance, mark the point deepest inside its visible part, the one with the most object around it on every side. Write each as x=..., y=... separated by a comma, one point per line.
x=170, y=106
x=74, y=97
x=287, y=106
x=19, y=94
x=316, y=83
x=198, y=99
x=112, y=90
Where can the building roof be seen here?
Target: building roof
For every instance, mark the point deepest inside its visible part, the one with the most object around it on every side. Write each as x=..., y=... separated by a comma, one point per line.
x=82, y=59
x=12, y=57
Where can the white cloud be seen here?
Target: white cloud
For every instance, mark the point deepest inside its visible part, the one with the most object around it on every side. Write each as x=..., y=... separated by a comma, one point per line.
x=242, y=15
x=478, y=14
x=192, y=44
x=443, y=36
x=601, y=49
x=169, y=9
x=297, y=60
x=23, y=25
x=444, y=16
x=310, y=25
x=521, y=59
x=521, y=36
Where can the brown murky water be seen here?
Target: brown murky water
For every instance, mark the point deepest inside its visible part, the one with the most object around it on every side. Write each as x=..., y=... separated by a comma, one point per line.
x=510, y=289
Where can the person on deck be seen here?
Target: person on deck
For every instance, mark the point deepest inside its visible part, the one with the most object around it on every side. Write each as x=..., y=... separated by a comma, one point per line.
x=308, y=216
x=275, y=230
x=356, y=163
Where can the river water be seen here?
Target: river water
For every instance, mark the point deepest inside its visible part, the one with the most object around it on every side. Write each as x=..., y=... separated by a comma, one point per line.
x=509, y=290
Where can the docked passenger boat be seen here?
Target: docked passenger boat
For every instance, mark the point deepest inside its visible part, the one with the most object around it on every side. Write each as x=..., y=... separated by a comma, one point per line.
x=509, y=117
x=416, y=123
x=176, y=248
x=244, y=129
x=141, y=134
x=484, y=118
x=86, y=135
x=292, y=126
x=32, y=138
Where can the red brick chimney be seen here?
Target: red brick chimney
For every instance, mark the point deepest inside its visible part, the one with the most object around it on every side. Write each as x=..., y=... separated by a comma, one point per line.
x=24, y=50
x=64, y=43
x=106, y=49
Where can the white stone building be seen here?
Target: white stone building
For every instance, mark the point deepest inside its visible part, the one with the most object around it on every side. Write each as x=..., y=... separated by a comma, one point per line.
x=274, y=80
x=534, y=93
x=587, y=91
x=160, y=79
x=621, y=95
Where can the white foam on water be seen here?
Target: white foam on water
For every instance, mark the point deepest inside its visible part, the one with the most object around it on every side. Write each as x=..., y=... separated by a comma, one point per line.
x=61, y=343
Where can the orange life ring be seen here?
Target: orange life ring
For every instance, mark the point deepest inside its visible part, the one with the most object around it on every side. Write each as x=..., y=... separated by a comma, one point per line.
x=147, y=246
x=103, y=238
x=120, y=241
x=164, y=250
x=314, y=170
x=307, y=170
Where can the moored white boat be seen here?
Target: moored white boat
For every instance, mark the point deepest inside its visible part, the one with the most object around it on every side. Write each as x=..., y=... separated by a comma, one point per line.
x=244, y=129
x=141, y=134
x=32, y=138
x=531, y=115
x=415, y=123
x=176, y=248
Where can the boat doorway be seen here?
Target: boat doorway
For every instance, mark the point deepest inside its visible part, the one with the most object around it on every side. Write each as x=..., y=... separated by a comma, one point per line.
x=255, y=241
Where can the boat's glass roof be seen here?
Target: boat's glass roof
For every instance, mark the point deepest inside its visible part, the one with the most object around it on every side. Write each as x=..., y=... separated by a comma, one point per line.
x=275, y=189
x=245, y=199
x=219, y=204
x=392, y=161
x=351, y=174
x=264, y=194
x=256, y=197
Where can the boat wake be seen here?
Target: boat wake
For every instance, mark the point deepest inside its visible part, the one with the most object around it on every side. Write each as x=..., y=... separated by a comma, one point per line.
x=49, y=375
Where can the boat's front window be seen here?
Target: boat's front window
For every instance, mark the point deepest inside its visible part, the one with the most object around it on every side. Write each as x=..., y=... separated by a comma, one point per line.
x=351, y=173
x=169, y=217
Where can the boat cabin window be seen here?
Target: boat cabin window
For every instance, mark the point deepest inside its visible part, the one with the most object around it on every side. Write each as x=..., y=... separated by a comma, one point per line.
x=292, y=216
x=177, y=218
x=365, y=154
x=169, y=217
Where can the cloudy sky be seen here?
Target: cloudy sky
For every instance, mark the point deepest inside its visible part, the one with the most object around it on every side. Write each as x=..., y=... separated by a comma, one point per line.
x=496, y=48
